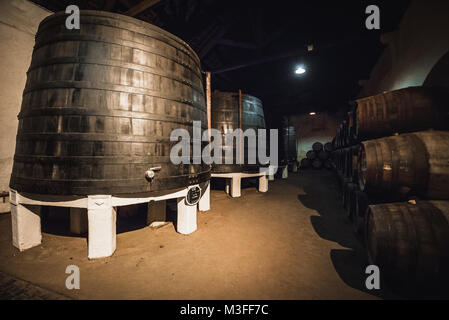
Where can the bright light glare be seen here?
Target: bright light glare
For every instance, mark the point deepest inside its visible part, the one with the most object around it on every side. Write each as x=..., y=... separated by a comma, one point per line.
x=312, y=113
x=300, y=70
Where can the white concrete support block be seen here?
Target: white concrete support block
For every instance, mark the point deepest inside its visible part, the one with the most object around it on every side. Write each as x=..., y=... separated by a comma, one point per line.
x=295, y=166
x=236, y=183
x=271, y=172
x=157, y=213
x=204, y=203
x=186, y=222
x=26, y=226
x=263, y=184
x=102, y=226
x=78, y=220
x=228, y=186
x=285, y=172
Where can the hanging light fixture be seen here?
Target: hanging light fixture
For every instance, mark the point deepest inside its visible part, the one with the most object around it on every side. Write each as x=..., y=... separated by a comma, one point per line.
x=300, y=70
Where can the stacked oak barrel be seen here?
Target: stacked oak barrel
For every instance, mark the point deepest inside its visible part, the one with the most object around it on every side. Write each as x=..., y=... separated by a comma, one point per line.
x=319, y=157
x=392, y=158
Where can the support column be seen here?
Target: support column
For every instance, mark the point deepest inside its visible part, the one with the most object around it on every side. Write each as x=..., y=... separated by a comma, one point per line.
x=157, y=213
x=186, y=222
x=26, y=224
x=236, y=183
x=78, y=220
x=295, y=167
x=204, y=203
x=271, y=172
x=102, y=227
x=263, y=184
x=285, y=172
x=228, y=186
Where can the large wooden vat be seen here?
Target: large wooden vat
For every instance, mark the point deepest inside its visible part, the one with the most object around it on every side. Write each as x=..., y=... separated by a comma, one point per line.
x=226, y=117
x=100, y=104
x=410, y=245
x=253, y=118
x=408, y=164
x=405, y=110
x=289, y=144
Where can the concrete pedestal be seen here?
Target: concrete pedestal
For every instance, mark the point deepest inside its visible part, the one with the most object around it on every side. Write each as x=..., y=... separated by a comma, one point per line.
x=204, y=203
x=186, y=223
x=263, y=184
x=102, y=227
x=26, y=226
x=234, y=181
x=271, y=172
x=97, y=215
x=284, y=172
x=295, y=167
x=235, y=187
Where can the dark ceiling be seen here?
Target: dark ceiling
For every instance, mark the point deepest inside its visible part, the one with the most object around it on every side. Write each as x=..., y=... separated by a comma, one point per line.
x=255, y=45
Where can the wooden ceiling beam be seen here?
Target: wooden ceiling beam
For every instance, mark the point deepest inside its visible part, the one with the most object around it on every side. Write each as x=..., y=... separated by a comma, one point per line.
x=140, y=7
x=109, y=5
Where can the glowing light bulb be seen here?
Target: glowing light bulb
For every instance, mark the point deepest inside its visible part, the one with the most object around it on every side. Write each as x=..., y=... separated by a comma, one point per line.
x=300, y=70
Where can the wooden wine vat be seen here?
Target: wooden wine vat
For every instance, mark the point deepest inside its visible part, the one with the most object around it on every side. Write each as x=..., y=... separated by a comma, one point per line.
x=100, y=104
x=226, y=117
x=289, y=144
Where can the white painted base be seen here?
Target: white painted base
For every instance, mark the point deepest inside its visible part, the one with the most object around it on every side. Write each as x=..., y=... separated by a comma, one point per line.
x=234, y=181
x=102, y=227
x=78, y=220
x=204, y=203
x=263, y=184
x=101, y=217
x=284, y=172
x=186, y=222
x=26, y=226
x=235, y=187
x=271, y=172
x=295, y=167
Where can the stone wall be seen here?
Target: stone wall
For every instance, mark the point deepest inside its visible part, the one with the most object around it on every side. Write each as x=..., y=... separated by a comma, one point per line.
x=19, y=20
x=413, y=51
x=321, y=127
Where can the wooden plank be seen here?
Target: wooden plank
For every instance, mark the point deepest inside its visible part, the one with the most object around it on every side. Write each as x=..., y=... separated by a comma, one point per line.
x=140, y=7
x=238, y=44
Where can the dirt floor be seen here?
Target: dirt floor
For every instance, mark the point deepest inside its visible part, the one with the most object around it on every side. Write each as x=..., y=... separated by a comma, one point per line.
x=293, y=242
